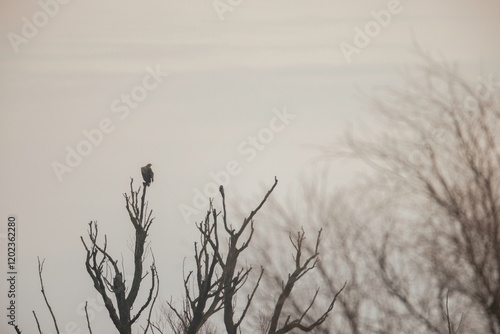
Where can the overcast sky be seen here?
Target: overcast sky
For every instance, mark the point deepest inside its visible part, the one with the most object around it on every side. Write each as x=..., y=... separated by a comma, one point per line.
x=220, y=77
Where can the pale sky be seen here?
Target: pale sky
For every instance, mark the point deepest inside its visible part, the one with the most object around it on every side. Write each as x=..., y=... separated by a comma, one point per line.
x=227, y=80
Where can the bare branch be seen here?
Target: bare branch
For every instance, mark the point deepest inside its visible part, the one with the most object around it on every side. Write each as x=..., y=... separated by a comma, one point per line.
x=37, y=323
x=301, y=268
x=87, y=317
x=40, y=269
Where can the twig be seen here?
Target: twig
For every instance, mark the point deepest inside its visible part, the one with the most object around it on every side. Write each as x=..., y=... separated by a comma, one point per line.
x=37, y=323
x=40, y=269
x=87, y=316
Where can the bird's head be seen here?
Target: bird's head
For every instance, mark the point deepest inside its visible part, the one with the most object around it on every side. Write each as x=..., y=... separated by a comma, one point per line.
x=149, y=165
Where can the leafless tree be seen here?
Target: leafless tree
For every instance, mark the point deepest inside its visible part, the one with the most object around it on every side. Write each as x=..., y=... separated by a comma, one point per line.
x=197, y=309
x=218, y=278
x=302, y=267
x=217, y=283
x=107, y=277
x=435, y=197
x=343, y=251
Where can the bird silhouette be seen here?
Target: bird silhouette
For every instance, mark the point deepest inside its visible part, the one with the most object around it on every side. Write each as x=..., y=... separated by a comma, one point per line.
x=147, y=174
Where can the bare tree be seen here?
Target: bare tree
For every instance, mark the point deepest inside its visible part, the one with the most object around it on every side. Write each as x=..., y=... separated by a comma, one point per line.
x=216, y=284
x=439, y=149
x=107, y=277
x=302, y=267
x=344, y=260
x=218, y=278
x=109, y=280
x=198, y=309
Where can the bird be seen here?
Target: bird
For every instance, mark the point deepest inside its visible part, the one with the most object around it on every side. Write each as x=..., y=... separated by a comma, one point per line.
x=147, y=174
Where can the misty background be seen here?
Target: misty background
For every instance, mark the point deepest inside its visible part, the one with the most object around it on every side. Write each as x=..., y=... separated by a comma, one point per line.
x=225, y=79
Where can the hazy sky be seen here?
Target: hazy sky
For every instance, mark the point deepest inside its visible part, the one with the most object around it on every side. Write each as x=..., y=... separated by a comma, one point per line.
x=230, y=74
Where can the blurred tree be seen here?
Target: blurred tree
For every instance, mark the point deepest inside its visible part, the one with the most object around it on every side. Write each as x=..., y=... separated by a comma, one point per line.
x=429, y=215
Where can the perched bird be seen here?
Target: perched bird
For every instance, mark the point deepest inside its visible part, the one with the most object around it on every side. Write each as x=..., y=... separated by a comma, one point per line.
x=147, y=174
